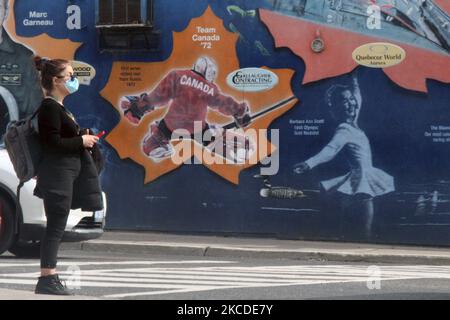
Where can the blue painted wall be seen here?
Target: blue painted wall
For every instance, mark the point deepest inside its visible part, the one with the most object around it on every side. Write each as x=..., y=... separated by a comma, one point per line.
x=193, y=199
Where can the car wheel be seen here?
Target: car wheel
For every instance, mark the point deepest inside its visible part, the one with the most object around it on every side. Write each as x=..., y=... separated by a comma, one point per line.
x=26, y=249
x=6, y=225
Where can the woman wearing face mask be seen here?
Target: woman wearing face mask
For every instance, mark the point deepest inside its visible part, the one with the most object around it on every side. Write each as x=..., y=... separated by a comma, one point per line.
x=67, y=177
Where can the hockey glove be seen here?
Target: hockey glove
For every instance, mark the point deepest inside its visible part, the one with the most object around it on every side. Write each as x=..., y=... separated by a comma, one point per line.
x=135, y=108
x=243, y=120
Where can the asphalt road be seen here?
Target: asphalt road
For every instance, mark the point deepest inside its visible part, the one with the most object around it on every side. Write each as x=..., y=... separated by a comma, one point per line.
x=173, y=277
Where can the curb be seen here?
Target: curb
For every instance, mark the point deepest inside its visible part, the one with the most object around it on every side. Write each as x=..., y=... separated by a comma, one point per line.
x=203, y=250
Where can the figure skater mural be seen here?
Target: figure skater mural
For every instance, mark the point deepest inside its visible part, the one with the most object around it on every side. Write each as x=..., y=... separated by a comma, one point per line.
x=363, y=182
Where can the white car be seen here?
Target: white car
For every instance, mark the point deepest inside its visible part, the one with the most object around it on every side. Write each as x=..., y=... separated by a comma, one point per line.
x=21, y=232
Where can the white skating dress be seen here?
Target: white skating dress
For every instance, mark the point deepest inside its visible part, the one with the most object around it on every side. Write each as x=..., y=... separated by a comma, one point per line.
x=363, y=177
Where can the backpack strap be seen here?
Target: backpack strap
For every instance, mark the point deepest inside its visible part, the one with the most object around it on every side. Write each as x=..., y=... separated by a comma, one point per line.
x=35, y=113
x=18, y=205
x=18, y=194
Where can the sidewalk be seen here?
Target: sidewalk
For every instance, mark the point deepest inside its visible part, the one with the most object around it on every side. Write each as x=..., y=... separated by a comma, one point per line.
x=238, y=247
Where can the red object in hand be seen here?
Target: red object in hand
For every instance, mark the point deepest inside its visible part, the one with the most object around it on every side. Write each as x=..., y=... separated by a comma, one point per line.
x=101, y=134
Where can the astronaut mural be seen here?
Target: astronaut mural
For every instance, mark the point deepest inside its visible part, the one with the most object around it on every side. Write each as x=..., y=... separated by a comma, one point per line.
x=20, y=93
x=311, y=119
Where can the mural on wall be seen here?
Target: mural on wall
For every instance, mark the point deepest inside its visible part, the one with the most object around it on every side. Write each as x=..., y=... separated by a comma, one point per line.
x=420, y=27
x=332, y=38
x=363, y=182
x=20, y=90
x=350, y=96
x=161, y=98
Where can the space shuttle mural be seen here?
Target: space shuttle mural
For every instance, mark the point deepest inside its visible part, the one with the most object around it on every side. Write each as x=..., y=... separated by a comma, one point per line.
x=333, y=29
x=419, y=22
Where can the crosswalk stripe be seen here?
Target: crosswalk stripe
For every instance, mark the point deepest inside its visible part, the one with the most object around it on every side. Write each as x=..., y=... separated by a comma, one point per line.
x=154, y=278
x=298, y=283
x=193, y=281
x=169, y=278
x=186, y=262
x=96, y=263
x=213, y=273
x=108, y=284
x=147, y=293
x=291, y=275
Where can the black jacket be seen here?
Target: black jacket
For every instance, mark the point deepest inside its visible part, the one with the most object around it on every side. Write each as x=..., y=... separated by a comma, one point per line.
x=67, y=173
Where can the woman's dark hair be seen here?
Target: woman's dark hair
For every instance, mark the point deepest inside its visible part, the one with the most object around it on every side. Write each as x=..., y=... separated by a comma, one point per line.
x=333, y=97
x=333, y=94
x=49, y=68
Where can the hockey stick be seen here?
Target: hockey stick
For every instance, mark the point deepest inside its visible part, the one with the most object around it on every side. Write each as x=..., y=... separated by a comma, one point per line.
x=233, y=125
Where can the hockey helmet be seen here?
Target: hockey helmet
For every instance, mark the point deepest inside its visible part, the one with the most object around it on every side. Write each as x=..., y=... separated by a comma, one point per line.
x=206, y=67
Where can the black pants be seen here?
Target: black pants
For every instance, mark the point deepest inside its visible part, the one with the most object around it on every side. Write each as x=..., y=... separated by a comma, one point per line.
x=56, y=223
x=57, y=195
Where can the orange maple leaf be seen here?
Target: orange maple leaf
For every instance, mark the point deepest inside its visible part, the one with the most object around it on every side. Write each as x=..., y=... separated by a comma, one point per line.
x=42, y=45
x=127, y=138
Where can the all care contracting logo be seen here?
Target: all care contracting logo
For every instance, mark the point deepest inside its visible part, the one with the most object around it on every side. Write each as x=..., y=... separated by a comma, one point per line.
x=252, y=79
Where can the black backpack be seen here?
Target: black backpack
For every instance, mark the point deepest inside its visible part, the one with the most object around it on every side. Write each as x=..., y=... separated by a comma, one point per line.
x=24, y=148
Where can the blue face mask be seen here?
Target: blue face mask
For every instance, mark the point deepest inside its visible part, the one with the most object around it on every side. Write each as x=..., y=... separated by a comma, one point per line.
x=72, y=85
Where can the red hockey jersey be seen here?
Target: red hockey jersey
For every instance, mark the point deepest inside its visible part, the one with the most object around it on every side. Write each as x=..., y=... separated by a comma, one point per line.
x=189, y=95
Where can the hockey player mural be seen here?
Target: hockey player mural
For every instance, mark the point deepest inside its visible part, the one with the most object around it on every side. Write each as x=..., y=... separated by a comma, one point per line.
x=188, y=93
x=198, y=106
